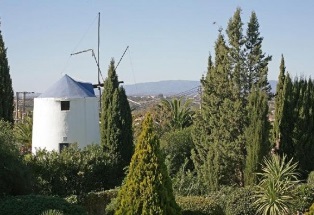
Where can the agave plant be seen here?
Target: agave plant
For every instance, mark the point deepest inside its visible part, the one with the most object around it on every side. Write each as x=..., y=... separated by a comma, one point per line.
x=274, y=194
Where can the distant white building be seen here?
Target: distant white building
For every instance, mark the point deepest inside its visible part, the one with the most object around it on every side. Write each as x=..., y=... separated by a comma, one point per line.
x=66, y=113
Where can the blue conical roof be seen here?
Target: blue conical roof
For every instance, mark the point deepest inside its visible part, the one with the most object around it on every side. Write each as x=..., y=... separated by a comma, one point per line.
x=66, y=87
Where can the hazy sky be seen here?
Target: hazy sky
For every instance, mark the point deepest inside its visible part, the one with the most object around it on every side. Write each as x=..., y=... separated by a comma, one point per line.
x=168, y=39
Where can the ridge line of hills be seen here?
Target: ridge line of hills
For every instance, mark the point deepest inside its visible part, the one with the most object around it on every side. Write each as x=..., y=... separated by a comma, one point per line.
x=170, y=87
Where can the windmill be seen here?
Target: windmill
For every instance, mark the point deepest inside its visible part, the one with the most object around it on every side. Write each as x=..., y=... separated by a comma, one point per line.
x=99, y=84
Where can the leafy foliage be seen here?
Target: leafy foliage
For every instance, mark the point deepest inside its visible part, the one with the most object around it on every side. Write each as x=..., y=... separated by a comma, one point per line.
x=176, y=146
x=274, y=193
x=36, y=205
x=311, y=210
x=52, y=212
x=198, y=205
x=72, y=172
x=23, y=134
x=15, y=178
x=304, y=197
x=240, y=202
x=310, y=178
x=96, y=202
x=147, y=188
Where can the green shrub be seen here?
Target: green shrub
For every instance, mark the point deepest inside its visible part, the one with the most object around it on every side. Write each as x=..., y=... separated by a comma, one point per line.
x=186, y=183
x=311, y=210
x=198, y=205
x=52, y=212
x=310, y=178
x=176, y=146
x=36, y=205
x=72, y=172
x=240, y=202
x=304, y=197
x=15, y=177
x=96, y=202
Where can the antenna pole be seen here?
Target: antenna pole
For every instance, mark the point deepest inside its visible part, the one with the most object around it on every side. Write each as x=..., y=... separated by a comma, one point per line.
x=98, y=61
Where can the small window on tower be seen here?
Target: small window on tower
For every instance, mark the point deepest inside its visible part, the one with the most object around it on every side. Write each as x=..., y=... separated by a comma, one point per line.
x=63, y=146
x=65, y=105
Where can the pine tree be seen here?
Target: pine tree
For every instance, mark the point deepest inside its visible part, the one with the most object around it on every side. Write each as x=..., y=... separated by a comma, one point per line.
x=116, y=124
x=236, y=50
x=256, y=60
x=256, y=134
x=147, y=188
x=6, y=91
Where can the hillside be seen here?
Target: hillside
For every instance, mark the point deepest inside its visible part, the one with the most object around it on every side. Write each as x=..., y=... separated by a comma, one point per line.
x=169, y=88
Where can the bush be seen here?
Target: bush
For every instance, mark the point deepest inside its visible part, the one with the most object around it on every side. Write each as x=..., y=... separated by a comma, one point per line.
x=15, y=178
x=186, y=183
x=96, y=202
x=310, y=178
x=311, y=210
x=36, y=205
x=240, y=202
x=198, y=205
x=304, y=197
x=72, y=172
x=52, y=212
x=176, y=147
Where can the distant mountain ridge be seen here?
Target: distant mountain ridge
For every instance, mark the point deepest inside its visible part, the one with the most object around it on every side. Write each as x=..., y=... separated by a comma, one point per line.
x=169, y=87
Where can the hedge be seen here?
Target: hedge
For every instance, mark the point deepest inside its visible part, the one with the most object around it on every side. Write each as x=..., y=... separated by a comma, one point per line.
x=198, y=205
x=96, y=202
x=36, y=205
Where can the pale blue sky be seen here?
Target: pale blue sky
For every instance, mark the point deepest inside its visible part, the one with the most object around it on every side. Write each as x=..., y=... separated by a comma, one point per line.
x=169, y=40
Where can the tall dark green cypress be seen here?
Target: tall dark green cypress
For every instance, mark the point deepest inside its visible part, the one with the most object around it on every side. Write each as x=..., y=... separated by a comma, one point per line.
x=6, y=90
x=256, y=134
x=279, y=103
x=284, y=117
x=116, y=124
x=303, y=135
x=238, y=77
x=217, y=148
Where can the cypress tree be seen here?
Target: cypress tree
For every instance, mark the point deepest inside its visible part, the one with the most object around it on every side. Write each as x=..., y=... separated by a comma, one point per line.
x=303, y=135
x=284, y=119
x=147, y=188
x=256, y=134
x=116, y=124
x=217, y=148
x=6, y=91
x=238, y=77
x=279, y=102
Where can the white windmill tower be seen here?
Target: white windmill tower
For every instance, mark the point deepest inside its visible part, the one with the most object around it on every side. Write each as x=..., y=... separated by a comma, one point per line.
x=66, y=113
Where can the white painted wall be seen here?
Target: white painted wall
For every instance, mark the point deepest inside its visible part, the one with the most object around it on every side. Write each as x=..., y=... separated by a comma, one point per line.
x=79, y=125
